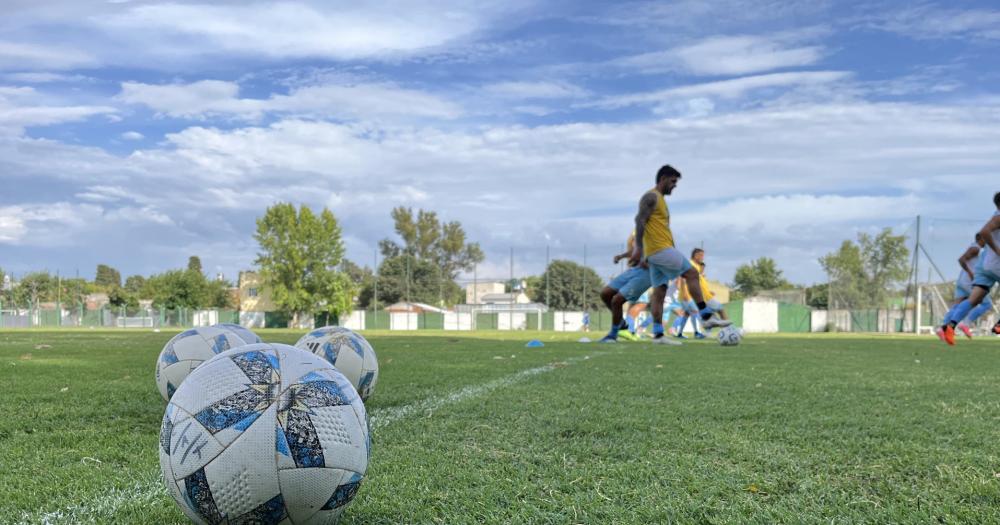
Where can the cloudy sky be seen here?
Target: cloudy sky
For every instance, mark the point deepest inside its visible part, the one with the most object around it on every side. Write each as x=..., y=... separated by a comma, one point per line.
x=137, y=133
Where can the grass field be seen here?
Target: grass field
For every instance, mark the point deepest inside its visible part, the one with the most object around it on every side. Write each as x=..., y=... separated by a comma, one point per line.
x=480, y=429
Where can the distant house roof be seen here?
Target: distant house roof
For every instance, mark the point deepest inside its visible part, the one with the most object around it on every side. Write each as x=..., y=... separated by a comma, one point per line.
x=404, y=306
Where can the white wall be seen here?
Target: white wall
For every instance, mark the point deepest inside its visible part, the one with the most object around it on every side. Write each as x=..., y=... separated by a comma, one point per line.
x=512, y=320
x=205, y=318
x=355, y=320
x=760, y=316
x=457, y=321
x=402, y=321
x=568, y=321
x=252, y=319
x=818, y=321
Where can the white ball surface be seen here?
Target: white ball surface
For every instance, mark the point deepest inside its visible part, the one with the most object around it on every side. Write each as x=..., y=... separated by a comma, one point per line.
x=349, y=352
x=265, y=433
x=188, y=349
x=730, y=336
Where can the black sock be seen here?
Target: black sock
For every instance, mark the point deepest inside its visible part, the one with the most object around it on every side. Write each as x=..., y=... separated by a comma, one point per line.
x=702, y=305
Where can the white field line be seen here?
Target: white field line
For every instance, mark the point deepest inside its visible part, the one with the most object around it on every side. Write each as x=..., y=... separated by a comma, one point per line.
x=149, y=489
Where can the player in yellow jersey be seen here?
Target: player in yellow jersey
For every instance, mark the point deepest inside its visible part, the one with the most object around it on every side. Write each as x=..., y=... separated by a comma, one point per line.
x=654, y=247
x=698, y=261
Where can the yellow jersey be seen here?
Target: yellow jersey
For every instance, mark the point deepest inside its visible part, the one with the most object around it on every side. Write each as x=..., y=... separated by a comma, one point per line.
x=705, y=291
x=657, y=235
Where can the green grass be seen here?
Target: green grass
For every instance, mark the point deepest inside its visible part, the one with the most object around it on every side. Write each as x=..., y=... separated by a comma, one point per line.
x=820, y=429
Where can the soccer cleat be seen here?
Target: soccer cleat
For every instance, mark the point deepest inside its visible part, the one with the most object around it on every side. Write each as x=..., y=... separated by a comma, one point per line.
x=949, y=335
x=608, y=339
x=699, y=335
x=940, y=334
x=628, y=336
x=662, y=339
x=711, y=323
x=965, y=330
x=680, y=336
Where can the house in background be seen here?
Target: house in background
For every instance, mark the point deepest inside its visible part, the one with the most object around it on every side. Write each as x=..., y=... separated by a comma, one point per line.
x=254, y=300
x=475, y=292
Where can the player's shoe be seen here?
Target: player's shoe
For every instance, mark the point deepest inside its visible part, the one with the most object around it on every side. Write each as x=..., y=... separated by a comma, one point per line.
x=699, y=335
x=965, y=330
x=949, y=335
x=712, y=322
x=680, y=336
x=608, y=339
x=628, y=336
x=662, y=339
x=940, y=334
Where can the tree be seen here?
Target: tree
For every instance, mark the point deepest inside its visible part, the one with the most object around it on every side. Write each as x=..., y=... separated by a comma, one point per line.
x=107, y=277
x=862, y=274
x=818, y=296
x=570, y=287
x=34, y=288
x=757, y=276
x=176, y=289
x=363, y=280
x=406, y=277
x=300, y=253
x=194, y=264
x=134, y=285
x=427, y=239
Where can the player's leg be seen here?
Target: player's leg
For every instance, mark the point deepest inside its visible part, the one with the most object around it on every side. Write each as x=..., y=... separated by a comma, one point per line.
x=694, y=286
x=962, y=310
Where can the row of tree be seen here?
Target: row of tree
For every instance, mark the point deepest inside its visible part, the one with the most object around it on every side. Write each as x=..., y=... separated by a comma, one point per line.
x=173, y=289
x=862, y=274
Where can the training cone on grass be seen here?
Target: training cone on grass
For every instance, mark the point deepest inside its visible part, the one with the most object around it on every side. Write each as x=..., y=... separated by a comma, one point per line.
x=535, y=343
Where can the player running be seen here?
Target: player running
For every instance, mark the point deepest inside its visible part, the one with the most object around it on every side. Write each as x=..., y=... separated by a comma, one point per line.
x=654, y=246
x=986, y=275
x=626, y=287
x=963, y=288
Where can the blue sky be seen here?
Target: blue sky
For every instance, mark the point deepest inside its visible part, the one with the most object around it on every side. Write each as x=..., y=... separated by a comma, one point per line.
x=138, y=133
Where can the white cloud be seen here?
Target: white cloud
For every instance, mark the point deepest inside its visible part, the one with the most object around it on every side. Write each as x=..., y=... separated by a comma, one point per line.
x=45, y=77
x=21, y=56
x=927, y=21
x=533, y=90
x=304, y=30
x=219, y=98
x=727, y=55
x=132, y=135
x=725, y=89
x=22, y=107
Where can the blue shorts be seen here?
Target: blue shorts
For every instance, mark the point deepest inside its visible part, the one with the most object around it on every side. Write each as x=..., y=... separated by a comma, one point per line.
x=643, y=296
x=623, y=278
x=666, y=265
x=962, y=291
x=985, y=278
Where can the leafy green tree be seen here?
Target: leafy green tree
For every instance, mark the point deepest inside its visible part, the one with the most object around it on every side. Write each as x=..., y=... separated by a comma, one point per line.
x=863, y=274
x=406, y=276
x=134, y=285
x=300, y=254
x=107, y=277
x=194, y=264
x=570, y=287
x=428, y=239
x=818, y=296
x=34, y=288
x=218, y=294
x=760, y=275
x=176, y=289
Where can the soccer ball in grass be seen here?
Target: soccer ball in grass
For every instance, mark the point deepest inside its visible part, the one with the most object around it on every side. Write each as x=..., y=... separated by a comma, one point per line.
x=187, y=350
x=348, y=352
x=245, y=333
x=730, y=336
x=265, y=433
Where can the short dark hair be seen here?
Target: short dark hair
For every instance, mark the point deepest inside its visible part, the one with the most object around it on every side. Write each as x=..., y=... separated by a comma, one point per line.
x=696, y=251
x=666, y=171
x=996, y=199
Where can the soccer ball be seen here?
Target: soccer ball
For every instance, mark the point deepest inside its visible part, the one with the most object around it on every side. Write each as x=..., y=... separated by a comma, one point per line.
x=245, y=333
x=730, y=336
x=187, y=350
x=265, y=433
x=348, y=352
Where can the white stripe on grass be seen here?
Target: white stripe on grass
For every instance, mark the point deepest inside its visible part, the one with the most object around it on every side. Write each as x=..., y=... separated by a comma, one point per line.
x=148, y=490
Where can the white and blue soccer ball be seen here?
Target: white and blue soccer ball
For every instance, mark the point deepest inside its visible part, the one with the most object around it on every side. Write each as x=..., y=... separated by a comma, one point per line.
x=245, y=333
x=349, y=352
x=188, y=349
x=265, y=433
x=730, y=336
